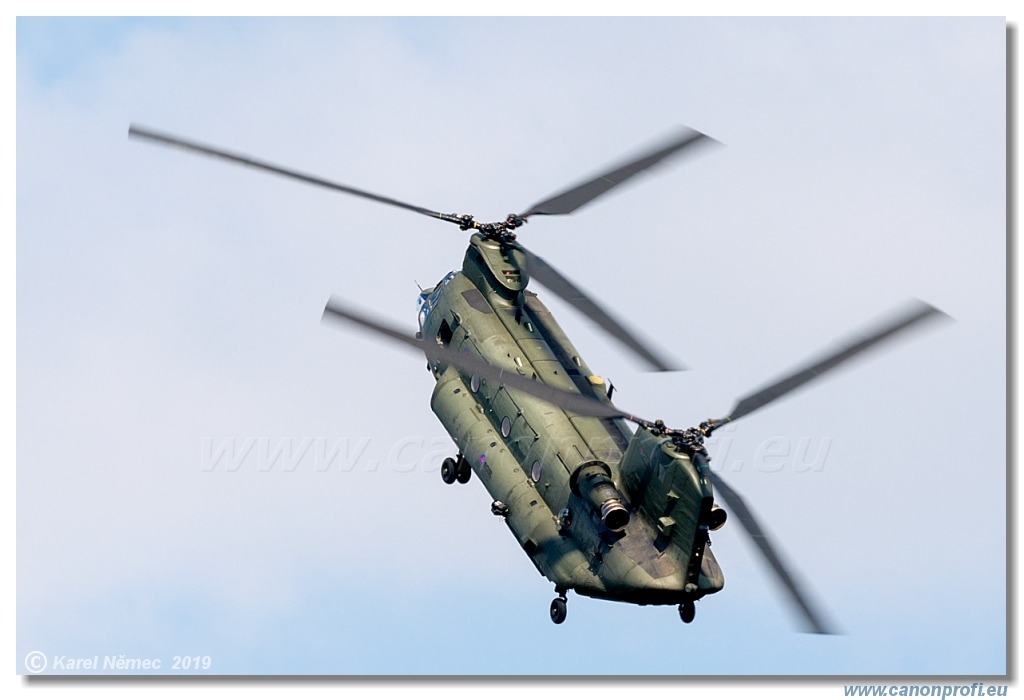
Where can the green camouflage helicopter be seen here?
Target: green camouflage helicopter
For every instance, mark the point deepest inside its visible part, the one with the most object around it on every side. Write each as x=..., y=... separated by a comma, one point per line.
x=599, y=509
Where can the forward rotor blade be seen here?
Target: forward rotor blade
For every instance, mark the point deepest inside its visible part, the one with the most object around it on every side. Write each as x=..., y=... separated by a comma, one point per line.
x=736, y=506
x=577, y=403
x=916, y=313
x=539, y=269
x=174, y=141
x=572, y=199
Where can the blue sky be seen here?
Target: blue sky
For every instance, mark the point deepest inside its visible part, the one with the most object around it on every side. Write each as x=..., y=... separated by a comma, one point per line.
x=164, y=300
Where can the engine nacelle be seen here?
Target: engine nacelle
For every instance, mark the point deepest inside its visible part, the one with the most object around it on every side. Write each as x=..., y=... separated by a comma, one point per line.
x=592, y=482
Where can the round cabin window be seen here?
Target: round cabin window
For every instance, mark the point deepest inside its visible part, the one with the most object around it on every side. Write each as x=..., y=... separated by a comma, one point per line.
x=474, y=384
x=536, y=472
x=506, y=426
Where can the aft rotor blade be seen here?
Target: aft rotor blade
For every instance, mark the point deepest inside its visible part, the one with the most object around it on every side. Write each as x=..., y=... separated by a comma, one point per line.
x=174, y=141
x=916, y=313
x=572, y=199
x=471, y=364
x=540, y=270
x=737, y=507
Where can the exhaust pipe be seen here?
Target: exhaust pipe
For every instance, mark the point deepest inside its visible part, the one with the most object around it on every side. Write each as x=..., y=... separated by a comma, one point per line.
x=593, y=483
x=717, y=518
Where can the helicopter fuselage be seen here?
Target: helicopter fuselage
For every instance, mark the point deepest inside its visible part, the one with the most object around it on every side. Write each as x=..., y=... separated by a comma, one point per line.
x=599, y=509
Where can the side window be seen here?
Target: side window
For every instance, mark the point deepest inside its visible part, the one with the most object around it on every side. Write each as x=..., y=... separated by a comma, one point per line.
x=445, y=334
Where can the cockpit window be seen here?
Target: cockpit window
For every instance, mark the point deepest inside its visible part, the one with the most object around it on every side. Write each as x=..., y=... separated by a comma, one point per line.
x=424, y=308
x=428, y=298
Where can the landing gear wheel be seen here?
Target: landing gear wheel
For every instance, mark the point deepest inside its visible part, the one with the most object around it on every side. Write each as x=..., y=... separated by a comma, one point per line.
x=463, y=471
x=558, y=611
x=449, y=471
x=687, y=611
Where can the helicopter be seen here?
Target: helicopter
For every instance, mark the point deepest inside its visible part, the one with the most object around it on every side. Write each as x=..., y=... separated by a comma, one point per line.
x=599, y=508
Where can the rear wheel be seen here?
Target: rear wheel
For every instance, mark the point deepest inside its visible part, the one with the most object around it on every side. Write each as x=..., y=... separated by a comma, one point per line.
x=687, y=611
x=558, y=611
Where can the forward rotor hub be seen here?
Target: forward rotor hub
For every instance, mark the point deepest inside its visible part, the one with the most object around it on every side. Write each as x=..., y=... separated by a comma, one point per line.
x=501, y=231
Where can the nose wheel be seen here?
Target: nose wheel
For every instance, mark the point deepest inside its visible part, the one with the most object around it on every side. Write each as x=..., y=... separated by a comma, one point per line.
x=453, y=470
x=448, y=471
x=687, y=611
x=463, y=471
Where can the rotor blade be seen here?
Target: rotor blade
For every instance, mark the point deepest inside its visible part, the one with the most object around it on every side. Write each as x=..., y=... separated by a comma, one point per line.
x=736, y=506
x=540, y=270
x=174, y=141
x=471, y=364
x=572, y=199
x=913, y=315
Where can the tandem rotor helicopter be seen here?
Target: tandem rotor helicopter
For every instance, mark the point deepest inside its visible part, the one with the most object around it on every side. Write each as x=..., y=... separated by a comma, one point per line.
x=599, y=508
